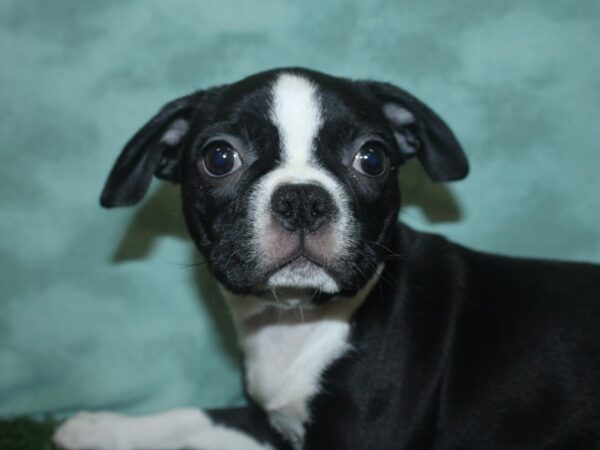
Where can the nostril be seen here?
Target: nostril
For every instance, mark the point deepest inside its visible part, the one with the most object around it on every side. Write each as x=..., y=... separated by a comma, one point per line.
x=285, y=208
x=318, y=208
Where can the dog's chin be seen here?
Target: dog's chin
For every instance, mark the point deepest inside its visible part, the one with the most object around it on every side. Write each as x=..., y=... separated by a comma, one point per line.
x=302, y=276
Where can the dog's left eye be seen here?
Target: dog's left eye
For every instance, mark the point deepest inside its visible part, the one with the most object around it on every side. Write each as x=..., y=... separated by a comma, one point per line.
x=371, y=160
x=220, y=159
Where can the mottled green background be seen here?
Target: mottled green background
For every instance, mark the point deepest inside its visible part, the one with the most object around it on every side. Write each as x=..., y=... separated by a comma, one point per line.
x=101, y=309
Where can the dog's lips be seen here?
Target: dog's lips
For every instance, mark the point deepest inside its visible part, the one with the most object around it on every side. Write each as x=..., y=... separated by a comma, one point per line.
x=299, y=262
x=301, y=271
x=302, y=265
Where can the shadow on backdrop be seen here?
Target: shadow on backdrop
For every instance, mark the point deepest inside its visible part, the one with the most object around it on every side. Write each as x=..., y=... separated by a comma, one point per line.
x=160, y=215
x=435, y=200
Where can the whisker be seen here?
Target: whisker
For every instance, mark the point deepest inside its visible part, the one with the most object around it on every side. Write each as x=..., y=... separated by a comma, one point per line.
x=385, y=277
x=188, y=265
x=274, y=292
x=373, y=265
x=229, y=259
x=359, y=269
x=392, y=253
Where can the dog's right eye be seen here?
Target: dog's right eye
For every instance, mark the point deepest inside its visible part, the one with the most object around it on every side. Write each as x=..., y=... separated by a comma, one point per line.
x=220, y=159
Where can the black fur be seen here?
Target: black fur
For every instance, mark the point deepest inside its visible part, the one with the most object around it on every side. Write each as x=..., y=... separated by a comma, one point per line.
x=457, y=349
x=454, y=349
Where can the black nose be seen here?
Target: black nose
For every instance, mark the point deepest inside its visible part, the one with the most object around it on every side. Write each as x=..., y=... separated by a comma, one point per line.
x=302, y=206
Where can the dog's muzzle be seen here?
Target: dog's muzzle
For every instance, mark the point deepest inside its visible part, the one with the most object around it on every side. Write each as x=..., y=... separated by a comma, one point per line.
x=301, y=236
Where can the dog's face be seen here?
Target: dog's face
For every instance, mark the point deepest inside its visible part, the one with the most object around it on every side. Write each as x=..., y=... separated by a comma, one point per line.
x=288, y=176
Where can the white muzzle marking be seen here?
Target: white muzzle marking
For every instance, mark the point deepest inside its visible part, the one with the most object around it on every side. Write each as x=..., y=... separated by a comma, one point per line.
x=296, y=112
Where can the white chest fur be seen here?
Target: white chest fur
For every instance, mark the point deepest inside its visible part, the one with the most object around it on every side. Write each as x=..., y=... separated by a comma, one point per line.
x=287, y=350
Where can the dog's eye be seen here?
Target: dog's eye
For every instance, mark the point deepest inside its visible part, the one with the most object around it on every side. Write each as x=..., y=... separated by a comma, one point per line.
x=220, y=159
x=371, y=160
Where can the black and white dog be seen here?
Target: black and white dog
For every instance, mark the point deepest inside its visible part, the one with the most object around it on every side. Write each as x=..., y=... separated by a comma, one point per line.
x=357, y=332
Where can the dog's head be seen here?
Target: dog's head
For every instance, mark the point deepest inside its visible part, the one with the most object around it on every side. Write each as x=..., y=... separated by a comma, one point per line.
x=288, y=177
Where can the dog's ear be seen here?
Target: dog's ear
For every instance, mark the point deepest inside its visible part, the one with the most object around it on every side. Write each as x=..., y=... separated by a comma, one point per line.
x=422, y=133
x=154, y=150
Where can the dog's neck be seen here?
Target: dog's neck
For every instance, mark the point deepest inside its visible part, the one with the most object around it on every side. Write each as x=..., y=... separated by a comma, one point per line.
x=287, y=345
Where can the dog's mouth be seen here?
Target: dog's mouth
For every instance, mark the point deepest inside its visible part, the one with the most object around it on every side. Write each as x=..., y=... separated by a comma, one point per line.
x=303, y=273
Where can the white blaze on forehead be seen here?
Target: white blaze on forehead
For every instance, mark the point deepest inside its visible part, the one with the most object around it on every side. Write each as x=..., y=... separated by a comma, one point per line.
x=297, y=114
x=296, y=111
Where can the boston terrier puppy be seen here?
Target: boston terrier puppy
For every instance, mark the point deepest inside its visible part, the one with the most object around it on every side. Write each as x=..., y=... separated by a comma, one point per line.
x=357, y=331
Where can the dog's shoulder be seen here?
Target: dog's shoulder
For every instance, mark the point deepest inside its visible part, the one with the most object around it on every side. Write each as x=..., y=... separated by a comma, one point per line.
x=550, y=280
x=531, y=280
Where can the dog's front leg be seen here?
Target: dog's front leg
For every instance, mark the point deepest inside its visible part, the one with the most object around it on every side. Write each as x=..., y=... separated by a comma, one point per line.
x=173, y=430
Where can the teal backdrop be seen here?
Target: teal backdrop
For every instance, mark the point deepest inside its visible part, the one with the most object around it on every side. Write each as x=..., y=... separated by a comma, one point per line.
x=107, y=309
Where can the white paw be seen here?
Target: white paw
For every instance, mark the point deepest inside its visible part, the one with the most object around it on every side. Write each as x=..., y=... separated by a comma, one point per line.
x=93, y=431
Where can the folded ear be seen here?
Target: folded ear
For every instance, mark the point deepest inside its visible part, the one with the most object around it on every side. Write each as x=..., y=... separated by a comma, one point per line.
x=154, y=150
x=422, y=133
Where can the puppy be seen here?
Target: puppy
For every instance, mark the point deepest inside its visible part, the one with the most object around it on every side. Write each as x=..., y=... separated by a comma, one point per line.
x=357, y=331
